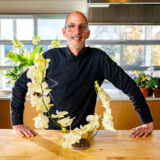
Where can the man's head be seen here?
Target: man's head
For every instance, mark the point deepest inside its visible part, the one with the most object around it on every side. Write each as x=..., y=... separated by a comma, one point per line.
x=76, y=31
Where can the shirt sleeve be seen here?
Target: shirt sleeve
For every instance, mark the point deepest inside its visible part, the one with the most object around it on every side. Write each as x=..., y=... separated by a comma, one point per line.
x=117, y=76
x=18, y=98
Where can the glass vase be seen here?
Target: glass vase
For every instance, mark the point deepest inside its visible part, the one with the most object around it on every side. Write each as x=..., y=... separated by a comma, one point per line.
x=83, y=144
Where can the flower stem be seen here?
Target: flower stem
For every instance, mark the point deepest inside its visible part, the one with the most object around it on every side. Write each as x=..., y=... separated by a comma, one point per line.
x=94, y=135
x=49, y=115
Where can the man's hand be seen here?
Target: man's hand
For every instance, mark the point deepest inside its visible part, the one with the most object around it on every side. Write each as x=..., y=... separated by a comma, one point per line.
x=24, y=130
x=142, y=131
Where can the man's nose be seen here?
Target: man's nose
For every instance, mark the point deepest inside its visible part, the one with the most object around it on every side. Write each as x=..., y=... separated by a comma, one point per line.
x=77, y=29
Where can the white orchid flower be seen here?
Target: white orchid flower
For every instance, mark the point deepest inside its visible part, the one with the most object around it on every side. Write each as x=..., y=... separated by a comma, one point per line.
x=71, y=138
x=41, y=121
x=59, y=114
x=65, y=122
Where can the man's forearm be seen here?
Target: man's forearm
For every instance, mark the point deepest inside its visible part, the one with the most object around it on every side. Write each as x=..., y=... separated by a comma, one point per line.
x=18, y=98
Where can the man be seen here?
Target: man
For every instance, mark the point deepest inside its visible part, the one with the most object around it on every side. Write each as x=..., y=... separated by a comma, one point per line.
x=71, y=74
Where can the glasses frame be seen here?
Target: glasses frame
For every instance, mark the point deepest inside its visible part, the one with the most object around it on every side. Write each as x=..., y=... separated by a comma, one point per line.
x=72, y=27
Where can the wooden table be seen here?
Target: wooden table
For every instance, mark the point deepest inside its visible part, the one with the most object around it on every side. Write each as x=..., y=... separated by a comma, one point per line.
x=105, y=146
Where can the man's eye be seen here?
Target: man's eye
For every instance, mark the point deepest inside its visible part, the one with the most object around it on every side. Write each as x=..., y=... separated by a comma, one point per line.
x=82, y=27
x=71, y=26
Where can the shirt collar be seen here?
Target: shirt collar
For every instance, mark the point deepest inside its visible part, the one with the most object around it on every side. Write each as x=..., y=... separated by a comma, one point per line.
x=80, y=54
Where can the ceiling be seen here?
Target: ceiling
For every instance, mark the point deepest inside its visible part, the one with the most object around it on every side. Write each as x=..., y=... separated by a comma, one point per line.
x=41, y=6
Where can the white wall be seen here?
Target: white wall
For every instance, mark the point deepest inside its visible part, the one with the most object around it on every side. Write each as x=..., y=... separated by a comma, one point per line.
x=41, y=6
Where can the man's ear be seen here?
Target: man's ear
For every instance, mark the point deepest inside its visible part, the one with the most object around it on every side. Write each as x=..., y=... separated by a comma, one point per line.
x=88, y=34
x=64, y=32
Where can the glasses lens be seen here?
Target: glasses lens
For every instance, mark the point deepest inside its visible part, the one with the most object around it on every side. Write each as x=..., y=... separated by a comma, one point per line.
x=73, y=27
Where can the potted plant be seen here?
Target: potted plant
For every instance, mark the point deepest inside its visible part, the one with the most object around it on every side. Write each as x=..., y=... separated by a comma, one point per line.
x=141, y=81
x=24, y=58
x=157, y=87
x=150, y=85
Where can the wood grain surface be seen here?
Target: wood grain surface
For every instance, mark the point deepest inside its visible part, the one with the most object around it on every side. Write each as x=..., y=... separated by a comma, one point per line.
x=105, y=146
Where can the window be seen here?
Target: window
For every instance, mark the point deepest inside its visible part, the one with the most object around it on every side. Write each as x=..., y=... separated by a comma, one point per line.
x=23, y=28
x=133, y=47
x=49, y=29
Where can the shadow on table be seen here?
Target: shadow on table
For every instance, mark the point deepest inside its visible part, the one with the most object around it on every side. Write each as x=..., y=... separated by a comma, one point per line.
x=53, y=150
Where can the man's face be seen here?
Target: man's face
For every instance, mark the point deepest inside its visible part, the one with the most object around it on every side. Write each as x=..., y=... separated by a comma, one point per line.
x=76, y=31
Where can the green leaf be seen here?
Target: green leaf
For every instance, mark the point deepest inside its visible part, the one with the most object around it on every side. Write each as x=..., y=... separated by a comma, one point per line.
x=36, y=51
x=40, y=49
x=23, y=59
x=13, y=56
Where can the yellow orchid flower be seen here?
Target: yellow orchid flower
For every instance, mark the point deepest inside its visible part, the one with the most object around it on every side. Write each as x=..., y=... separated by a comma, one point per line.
x=17, y=44
x=35, y=40
x=55, y=44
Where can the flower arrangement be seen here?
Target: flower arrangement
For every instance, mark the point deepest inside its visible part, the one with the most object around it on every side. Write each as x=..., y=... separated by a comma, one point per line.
x=39, y=96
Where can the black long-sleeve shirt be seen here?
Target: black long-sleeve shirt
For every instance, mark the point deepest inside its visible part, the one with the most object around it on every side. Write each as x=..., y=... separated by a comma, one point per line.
x=72, y=78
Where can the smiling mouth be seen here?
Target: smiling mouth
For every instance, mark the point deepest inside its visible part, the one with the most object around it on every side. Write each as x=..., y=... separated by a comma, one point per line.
x=77, y=37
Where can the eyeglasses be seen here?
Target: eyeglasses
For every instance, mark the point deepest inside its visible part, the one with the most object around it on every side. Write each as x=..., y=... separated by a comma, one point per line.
x=72, y=27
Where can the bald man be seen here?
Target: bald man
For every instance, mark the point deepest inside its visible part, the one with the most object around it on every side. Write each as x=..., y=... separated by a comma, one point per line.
x=71, y=74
